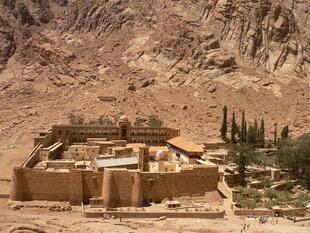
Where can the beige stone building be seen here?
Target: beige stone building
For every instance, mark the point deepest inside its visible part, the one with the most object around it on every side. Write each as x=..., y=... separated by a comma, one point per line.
x=69, y=134
x=185, y=151
x=81, y=152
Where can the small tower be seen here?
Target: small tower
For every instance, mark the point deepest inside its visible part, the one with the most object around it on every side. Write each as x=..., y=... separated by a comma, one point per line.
x=144, y=158
x=124, y=125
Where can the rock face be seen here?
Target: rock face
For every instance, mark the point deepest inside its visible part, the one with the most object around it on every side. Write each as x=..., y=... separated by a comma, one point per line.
x=23, y=15
x=98, y=16
x=7, y=43
x=274, y=34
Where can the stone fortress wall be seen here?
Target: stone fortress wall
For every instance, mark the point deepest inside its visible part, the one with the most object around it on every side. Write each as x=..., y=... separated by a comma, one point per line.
x=118, y=187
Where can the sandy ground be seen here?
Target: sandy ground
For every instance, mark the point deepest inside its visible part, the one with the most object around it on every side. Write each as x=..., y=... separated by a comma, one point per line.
x=45, y=221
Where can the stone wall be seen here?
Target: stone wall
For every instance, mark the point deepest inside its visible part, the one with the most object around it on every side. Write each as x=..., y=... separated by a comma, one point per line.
x=122, y=187
x=118, y=187
x=266, y=212
x=157, y=186
x=235, y=179
x=123, y=214
x=75, y=186
x=29, y=184
x=254, y=212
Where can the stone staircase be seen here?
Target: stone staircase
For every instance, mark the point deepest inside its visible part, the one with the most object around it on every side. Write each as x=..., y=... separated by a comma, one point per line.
x=225, y=190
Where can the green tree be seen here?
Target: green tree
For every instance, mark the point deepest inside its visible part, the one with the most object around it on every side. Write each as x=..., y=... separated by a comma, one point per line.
x=76, y=119
x=295, y=155
x=243, y=128
x=233, y=129
x=224, y=123
x=275, y=133
x=102, y=120
x=262, y=134
x=251, y=135
x=306, y=178
x=154, y=121
x=284, y=133
x=241, y=167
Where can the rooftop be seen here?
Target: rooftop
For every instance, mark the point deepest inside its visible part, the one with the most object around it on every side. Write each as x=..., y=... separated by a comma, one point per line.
x=185, y=145
x=114, y=162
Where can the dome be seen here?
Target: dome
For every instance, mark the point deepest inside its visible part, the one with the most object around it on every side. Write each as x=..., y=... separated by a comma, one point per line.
x=123, y=118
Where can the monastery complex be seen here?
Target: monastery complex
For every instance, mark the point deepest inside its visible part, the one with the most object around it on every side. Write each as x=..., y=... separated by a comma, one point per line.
x=113, y=166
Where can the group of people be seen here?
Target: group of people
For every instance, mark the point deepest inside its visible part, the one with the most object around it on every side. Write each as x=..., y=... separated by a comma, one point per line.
x=261, y=220
x=244, y=228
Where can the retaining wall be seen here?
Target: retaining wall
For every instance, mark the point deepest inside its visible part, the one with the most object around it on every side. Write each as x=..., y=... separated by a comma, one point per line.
x=235, y=179
x=123, y=214
x=300, y=212
x=75, y=186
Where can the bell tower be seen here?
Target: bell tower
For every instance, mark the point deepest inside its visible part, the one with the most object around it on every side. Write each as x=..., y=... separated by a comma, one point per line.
x=124, y=125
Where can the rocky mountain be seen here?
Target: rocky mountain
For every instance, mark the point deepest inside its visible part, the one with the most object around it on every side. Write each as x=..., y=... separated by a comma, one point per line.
x=181, y=59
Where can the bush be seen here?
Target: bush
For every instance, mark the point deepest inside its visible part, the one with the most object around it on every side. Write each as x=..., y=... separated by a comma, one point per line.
x=289, y=186
x=302, y=201
x=269, y=204
x=267, y=183
x=105, y=121
x=283, y=197
x=254, y=194
x=246, y=203
x=154, y=121
x=250, y=193
x=271, y=194
x=76, y=119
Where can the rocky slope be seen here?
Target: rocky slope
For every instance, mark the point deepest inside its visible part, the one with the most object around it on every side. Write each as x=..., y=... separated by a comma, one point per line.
x=183, y=60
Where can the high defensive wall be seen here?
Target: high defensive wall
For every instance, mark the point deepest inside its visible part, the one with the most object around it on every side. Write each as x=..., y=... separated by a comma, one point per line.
x=122, y=187
x=76, y=186
x=118, y=187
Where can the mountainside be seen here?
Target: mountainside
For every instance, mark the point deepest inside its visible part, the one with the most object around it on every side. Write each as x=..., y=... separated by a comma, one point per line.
x=183, y=60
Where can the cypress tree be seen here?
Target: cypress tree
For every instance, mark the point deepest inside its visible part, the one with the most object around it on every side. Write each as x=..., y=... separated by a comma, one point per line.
x=224, y=123
x=251, y=135
x=275, y=134
x=256, y=130
x=242, y=166
x=245, y=129
x=242, y=133
x=233, y=129
x=284, y=133
x=262, y=133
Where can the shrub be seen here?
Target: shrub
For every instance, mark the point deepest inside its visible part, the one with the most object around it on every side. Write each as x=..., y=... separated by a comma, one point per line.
x=154, y=121
x=76, y=119
x=254, y=194
x=302, y=201
x=283, y=197
x=246, y=203
x=105, y=121
x=267, y=183
x=289, y=186
x=271, y=194
x=269, y=204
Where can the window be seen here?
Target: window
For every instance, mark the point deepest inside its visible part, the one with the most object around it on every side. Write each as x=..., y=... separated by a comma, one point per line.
x=59, y=132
